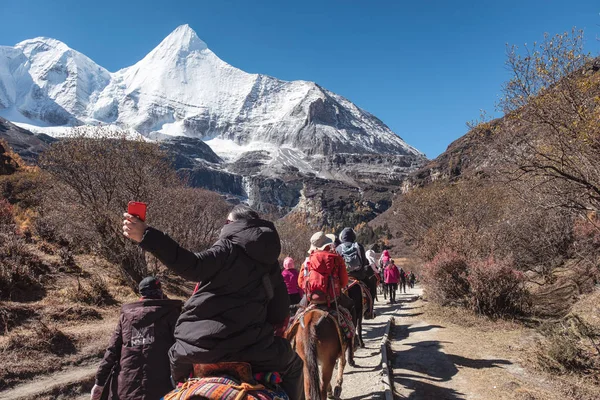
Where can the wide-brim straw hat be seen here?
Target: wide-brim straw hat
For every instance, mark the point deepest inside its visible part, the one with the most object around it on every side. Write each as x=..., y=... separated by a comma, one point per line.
x=319, y=241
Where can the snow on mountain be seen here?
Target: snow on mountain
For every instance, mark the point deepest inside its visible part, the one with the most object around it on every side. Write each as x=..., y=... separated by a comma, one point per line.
x=181, y=88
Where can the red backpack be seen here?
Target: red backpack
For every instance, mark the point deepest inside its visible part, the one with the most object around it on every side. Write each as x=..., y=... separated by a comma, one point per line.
x=321, y=282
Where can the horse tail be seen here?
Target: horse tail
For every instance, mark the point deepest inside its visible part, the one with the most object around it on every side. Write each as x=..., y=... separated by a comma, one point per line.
x=312, y=362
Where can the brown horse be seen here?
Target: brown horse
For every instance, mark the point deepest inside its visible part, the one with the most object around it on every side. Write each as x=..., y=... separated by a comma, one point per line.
x=318, y=340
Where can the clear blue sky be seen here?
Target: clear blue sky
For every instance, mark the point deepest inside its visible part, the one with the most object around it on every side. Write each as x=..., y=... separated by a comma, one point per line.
x=424, y=67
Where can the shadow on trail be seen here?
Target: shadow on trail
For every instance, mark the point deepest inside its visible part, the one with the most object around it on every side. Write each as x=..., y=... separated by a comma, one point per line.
x=402, y=332
x=410, y=315
x=430, y=365
x=427, y=391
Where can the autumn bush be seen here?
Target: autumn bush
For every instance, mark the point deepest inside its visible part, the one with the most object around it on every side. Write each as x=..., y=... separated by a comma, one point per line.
x=295, y=234
x=446, y=278
x=496, y=288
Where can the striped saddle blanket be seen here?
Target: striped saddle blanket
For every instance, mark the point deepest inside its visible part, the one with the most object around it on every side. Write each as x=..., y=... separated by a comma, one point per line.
x=228, y=381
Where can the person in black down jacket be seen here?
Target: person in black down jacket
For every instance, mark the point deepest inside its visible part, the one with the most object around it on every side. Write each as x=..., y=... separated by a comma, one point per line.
x=241, y=296
x=138, y=349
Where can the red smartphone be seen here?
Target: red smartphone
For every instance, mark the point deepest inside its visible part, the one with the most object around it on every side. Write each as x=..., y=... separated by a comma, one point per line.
x=137, y=209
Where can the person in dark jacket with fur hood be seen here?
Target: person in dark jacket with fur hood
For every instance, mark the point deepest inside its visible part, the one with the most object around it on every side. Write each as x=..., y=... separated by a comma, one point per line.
x=241, y=296
x=137, y=356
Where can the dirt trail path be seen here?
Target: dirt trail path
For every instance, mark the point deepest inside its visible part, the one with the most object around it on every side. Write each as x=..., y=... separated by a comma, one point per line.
x=443, y=361
x=41, y=387
x=365, y=380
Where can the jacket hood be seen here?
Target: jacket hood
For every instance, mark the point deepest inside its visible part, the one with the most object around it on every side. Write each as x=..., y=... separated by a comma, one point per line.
x=370, y=255
x=257, y=237
x=386, y=253
x=288, y=263
x=348, y=235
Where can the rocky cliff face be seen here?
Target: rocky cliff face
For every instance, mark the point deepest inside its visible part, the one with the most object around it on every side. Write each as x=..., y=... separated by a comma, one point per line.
x=27, y=144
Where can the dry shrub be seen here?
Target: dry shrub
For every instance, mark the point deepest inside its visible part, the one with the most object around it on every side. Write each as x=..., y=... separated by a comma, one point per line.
x=446, y=278
x=295, y=233
x=489, y=287
x=193, y=217
x=14, y=314
x=95, y=173
x=586, y=248
x=20, y=270
x=43, y=339
x=94, y=292
x=570, y=345
x=496, y=289
x=6, y=213
x=73, y=312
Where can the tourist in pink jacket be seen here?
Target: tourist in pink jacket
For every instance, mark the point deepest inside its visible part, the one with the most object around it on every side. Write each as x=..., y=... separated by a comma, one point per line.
x=392, y=277
x=290, y=276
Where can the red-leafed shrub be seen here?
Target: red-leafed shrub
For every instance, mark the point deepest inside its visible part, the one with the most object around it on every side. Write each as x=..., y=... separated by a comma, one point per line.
x=6, y=213
x=446, y=278
x=496, y=288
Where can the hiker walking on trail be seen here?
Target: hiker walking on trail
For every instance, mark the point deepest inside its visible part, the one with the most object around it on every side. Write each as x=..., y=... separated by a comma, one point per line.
x=411, y=279
x=136, y=362
x=384, y=260
x=290, y=277
x=403, y=278
x=241, y=297
x=356, y=260
x=392, y=276
x=373, y=264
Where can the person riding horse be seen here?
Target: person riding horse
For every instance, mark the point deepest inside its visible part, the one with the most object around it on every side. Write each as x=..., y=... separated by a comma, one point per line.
x=240, y=298
x=350, y=249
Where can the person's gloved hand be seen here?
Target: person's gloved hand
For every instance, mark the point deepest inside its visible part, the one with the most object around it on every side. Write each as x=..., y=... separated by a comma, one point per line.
x=96, y=392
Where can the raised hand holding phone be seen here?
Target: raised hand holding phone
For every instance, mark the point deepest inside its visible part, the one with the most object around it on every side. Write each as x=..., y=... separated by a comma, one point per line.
x=137, y=209
x=134, y=225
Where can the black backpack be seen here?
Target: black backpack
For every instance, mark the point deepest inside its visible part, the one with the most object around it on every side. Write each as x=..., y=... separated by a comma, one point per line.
x=351, y=254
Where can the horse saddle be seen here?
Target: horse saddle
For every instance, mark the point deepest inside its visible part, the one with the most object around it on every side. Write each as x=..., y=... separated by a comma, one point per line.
x=228, y=381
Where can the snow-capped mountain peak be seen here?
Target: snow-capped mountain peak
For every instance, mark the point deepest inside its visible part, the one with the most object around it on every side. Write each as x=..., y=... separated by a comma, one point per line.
x=181, y=88
x=179, y=43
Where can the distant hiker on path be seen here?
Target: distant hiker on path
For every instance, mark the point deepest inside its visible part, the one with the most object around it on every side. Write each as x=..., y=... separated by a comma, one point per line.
x=412, y=279
x=136, y=362
x=290, y=277
x=392, y=275
x=403, y=278
x=373, y=264
x=242, y=296
x=384, y=260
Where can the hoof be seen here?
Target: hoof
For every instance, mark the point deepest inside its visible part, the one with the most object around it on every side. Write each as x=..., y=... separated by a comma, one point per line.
x=362, y=345
x=352, y=363
x=337, y=392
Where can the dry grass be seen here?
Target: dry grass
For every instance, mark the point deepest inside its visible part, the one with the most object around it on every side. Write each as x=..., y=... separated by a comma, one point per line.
x=468, y=319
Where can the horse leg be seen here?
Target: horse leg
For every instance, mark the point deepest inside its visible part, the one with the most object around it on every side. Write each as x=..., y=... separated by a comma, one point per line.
x=337, y=392
x=326, y=374
x=350, y=352
x=359, y=332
